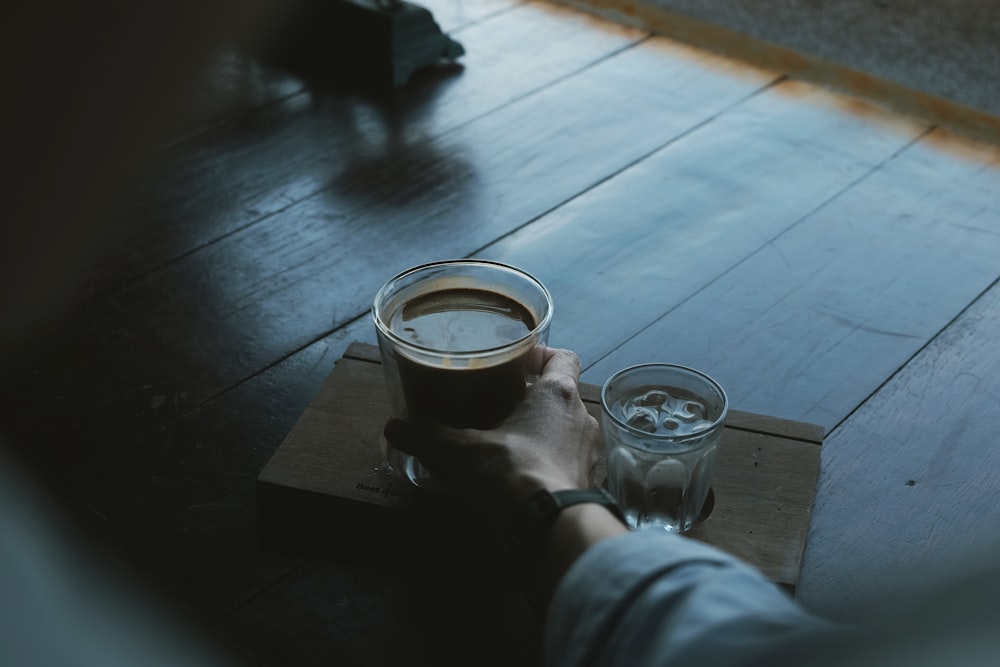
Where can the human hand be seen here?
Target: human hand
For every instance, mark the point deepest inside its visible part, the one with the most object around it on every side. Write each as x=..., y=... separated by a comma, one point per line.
x=549, y=442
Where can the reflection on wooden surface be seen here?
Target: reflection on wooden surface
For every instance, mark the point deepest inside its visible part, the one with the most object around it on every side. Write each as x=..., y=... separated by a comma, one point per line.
x=905, y=99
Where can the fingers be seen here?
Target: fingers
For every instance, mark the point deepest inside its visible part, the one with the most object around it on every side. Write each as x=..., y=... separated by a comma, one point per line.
x=414, y=438
x=561, y=365
x=431, y=443
x=559, y=380
x=535, y=360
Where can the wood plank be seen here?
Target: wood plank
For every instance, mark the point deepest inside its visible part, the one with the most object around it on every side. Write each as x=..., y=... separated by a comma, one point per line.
x=115, y=371
x=388, y=609
x=812, y=323
x=362, y=352
x=453, y=15
x=910, y=483
x=965, y=116
x=694, y=210
x=793, y=430
x=327, y=479
x=297, y=260
x=241, y=174
x=231, y=85
x=235, y=82
x=221, y=314
x=179, y=506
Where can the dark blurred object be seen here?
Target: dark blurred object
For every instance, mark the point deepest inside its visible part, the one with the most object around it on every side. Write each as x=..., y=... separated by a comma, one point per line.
x=378, y=44
x=92, y=89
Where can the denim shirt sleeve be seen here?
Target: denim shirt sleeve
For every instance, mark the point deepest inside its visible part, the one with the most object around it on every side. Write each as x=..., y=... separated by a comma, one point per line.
x=651, y=598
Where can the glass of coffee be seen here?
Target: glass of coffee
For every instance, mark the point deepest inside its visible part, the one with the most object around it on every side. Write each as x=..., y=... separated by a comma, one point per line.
x=455, y=337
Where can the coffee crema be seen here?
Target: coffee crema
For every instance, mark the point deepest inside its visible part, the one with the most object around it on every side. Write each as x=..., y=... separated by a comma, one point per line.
x=461, y=321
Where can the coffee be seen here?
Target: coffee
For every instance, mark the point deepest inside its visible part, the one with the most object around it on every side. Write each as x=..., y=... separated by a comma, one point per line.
x=477, y=394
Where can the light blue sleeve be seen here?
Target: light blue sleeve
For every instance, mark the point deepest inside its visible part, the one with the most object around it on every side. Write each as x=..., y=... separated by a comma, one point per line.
x=60, y=604
x=651, y=598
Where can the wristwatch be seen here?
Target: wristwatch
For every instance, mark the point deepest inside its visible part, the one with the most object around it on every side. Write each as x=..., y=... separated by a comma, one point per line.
x=532, y=523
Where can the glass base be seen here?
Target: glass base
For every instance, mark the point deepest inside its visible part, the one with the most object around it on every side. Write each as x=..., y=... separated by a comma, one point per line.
x=407, y=467
x=667, y=525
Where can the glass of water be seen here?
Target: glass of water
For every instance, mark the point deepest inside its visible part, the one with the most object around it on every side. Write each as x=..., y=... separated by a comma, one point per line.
x=662, y=426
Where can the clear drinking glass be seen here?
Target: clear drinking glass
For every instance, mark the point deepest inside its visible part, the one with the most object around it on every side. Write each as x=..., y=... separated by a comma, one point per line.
x=662, y=426
x=455, y=337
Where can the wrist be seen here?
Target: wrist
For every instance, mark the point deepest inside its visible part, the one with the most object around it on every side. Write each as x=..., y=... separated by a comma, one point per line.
x=530, y=528
x=576, y=530
x=532, y=484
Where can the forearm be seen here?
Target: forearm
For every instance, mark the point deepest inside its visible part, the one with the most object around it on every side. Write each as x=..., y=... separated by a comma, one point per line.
x=663, y=599
x=575, y=530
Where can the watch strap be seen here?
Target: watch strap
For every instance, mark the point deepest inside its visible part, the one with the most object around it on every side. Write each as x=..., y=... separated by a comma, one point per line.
x=532, y=523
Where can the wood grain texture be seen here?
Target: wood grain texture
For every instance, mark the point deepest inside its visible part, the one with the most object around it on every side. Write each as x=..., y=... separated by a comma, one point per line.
x=695, y=210
x=141, y=354
x=217, y=316
x=816, y=319
x=179, y=504
x=332, y=138
x=755, y=423
x=235, y=82
x=971, y=119
x=452, y=15
x=910, y=483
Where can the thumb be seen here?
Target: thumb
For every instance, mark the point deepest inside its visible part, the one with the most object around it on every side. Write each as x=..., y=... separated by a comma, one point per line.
x=562, y=365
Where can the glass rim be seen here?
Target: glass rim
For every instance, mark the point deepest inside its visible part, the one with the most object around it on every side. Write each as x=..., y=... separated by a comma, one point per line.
x=384, y=329
x=665, y=436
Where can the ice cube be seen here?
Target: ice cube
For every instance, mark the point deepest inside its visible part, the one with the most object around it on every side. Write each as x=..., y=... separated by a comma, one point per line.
x=689, y=411
x=642, y=419
x=670, y=423
x=651, y=399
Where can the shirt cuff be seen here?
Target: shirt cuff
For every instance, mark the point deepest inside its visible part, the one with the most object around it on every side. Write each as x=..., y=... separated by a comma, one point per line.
x=651, y=595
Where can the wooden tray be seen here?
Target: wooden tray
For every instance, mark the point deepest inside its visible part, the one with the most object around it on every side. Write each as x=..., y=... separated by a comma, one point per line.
x=327, y=477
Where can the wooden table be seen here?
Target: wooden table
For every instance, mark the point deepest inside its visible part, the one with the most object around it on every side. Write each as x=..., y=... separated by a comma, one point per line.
x=829, y=261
